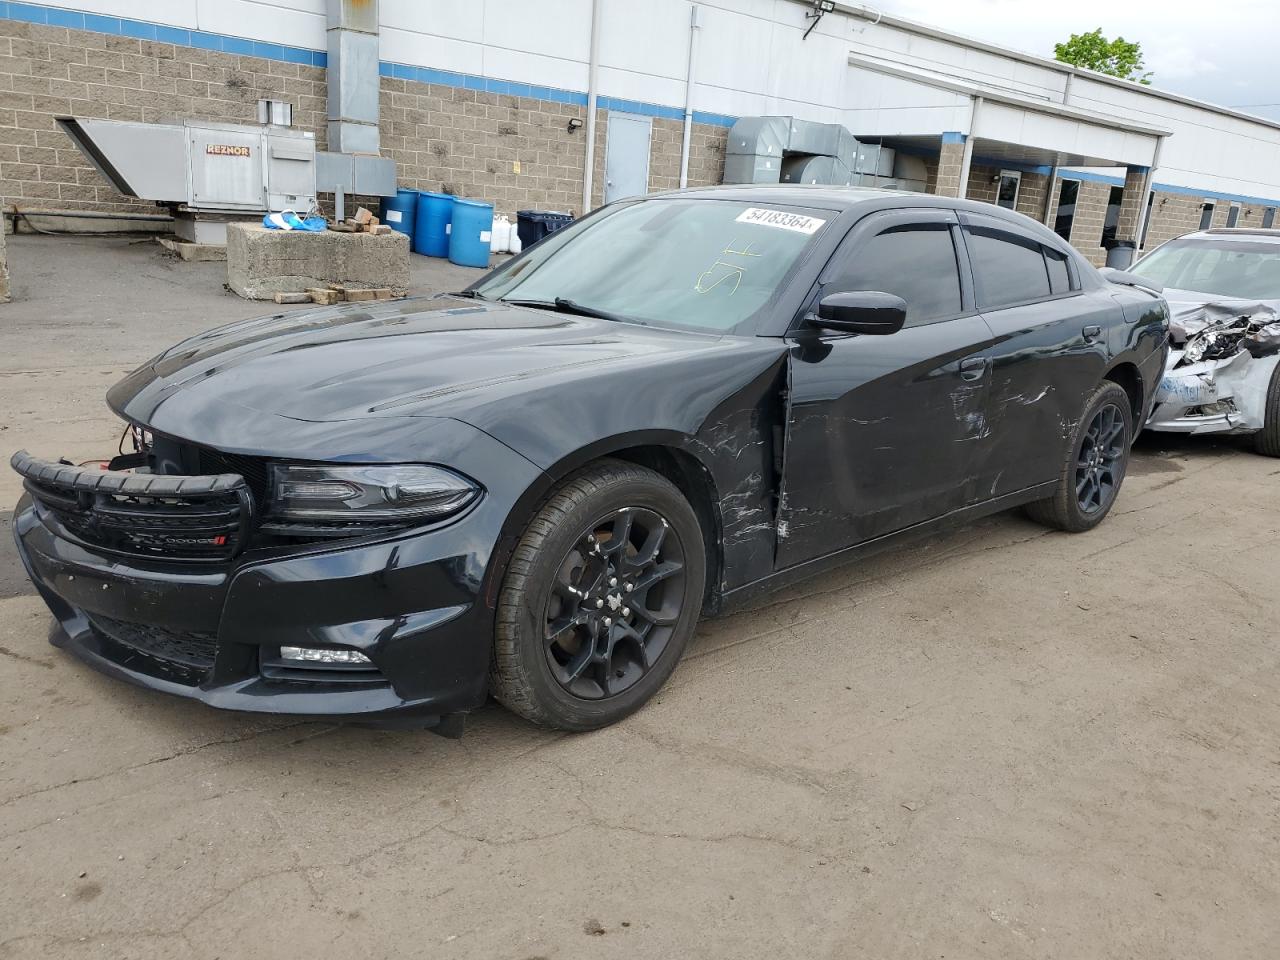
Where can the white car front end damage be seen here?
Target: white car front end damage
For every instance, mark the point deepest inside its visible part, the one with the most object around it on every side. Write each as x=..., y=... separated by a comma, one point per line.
x=1216, y=379
x=1213, y=396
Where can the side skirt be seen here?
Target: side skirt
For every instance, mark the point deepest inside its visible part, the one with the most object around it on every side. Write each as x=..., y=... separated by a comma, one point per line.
x=740, y=596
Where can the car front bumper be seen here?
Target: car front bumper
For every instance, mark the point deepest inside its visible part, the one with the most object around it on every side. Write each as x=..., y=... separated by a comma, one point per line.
x=1213, y=396
x=419, y=605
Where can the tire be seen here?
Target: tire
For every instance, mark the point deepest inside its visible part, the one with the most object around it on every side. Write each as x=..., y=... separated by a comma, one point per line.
x=1067, y=509
x=1267, y=440
x=583, y=538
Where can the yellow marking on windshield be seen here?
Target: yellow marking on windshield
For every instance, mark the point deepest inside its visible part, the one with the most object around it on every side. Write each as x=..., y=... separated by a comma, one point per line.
x=732, y=271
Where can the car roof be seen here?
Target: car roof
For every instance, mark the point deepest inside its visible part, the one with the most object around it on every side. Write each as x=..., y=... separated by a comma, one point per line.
x=842, y=198
x=1252, y=234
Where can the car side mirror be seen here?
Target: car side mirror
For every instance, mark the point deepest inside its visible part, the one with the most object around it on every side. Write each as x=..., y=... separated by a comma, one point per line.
x=861, y=311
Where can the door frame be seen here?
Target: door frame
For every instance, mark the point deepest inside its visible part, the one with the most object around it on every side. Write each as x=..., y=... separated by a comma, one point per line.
x=648, y=156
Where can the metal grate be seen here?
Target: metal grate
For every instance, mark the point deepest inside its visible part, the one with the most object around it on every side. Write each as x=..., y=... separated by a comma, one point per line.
x=193, y=650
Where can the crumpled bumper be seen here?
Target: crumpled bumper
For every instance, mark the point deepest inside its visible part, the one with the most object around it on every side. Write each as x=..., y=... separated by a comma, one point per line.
x=1213, y=396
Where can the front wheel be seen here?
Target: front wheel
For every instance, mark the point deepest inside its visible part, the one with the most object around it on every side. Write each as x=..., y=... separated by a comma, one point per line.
x=599, y=600
x=1267, y=440
x=1093, y=466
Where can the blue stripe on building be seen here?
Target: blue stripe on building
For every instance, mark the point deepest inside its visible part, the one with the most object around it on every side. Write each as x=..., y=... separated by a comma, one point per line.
x=200, y=40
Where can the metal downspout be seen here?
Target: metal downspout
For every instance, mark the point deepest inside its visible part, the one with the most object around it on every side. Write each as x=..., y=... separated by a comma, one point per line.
x=593, y=77
x=967, y=160
x=690, y=74
x=1148, y=194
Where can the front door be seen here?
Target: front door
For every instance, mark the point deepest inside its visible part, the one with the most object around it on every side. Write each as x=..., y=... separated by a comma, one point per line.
x=626, y=164
x=884, y=432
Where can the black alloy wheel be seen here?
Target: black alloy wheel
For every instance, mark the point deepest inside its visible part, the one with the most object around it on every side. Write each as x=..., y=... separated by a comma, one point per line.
x=1099, y=465
x=1093, y=461
x=599, y=598
x=616, y=598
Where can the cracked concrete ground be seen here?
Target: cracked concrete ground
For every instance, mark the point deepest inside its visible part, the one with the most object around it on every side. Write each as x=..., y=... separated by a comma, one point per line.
x=1005, y=743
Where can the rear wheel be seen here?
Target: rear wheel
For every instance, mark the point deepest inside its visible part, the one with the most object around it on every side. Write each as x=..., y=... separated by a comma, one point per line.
x=599, y=600
x=1093, y=465
x=1267, y=440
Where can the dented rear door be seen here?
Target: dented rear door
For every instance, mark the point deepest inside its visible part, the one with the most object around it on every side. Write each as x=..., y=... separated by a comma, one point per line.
x=884, y=432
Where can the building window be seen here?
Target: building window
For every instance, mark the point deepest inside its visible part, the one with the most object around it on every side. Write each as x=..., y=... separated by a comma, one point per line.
x=1007, y=194
x=1206, y=215
x=1066, y=214
x=1269, y=218
x=1112, y=220
x=1233, y=215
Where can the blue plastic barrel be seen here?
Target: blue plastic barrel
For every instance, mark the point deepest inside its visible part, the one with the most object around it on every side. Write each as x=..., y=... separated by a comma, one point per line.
x=470, y=233
x=431, y=227
x=398, y=211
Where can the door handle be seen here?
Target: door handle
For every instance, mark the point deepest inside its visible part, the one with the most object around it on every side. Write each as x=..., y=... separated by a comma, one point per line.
x=972, y=368
x=1091, y=333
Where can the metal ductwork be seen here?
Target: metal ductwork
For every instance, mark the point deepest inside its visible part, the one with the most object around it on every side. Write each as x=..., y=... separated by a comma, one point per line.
x=787, y=150
x=353, y=76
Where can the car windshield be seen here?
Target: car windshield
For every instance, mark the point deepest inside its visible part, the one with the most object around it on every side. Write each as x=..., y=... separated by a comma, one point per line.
x=1246, y=269
x=698, y=264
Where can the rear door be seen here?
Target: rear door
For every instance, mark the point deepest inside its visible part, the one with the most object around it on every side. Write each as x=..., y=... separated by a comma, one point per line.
x=884, y=432
x=1048, y=354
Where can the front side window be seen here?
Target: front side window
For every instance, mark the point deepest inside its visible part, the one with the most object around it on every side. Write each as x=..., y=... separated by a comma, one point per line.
x=698, y=264
x=1227, y=268
x=916, y=262
x=1007, y=268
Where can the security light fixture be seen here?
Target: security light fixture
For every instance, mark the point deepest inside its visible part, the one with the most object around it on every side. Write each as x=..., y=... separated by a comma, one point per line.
x=820, y=9
x=574, y=124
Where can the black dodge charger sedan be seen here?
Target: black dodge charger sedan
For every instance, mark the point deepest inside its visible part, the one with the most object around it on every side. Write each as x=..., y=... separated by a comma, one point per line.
x=533, y=488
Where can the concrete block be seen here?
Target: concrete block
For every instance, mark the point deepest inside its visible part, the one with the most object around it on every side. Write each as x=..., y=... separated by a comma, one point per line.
x=193, y=252
x=262, y=262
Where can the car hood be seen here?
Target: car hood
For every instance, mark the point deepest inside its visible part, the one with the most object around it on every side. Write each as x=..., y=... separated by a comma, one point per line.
x=1193, y=311
x=442, y=357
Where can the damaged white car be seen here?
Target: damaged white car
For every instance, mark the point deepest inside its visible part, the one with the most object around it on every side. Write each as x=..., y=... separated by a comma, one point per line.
x=1223, y=373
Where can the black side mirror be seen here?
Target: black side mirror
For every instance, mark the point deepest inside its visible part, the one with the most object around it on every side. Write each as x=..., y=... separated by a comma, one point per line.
x=862, y=311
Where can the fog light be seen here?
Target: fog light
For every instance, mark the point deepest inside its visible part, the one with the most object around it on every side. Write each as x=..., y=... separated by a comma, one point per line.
x=324, y=655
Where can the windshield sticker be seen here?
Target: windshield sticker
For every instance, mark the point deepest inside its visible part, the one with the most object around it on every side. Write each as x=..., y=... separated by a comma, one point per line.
x=781, y=220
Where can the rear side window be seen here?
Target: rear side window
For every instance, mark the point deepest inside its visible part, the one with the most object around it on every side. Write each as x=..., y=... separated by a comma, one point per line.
x=1007, y=269
x=916, y=262
x=1059, y=275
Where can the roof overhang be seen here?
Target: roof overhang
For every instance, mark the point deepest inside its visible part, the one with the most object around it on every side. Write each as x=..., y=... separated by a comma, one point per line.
x=1023, y=128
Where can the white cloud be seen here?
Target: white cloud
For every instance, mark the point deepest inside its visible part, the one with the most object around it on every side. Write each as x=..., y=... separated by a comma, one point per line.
x=1225, y=53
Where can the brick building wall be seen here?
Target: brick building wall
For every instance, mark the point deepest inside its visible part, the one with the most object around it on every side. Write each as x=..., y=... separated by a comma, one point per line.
x=514, y=151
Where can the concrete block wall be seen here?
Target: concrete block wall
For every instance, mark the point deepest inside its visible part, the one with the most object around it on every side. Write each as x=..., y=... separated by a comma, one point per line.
x=448, y=138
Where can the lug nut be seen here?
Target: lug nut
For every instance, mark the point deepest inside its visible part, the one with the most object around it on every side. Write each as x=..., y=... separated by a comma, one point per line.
x=608, y=622
x=599, y=604
x=613, y=581
x=628, y=587
x=626, y=611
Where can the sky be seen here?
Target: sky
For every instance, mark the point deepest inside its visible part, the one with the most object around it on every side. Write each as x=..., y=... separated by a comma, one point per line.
x=1223, y=51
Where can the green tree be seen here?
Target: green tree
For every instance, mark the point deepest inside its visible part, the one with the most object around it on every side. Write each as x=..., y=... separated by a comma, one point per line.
x=1093, y=51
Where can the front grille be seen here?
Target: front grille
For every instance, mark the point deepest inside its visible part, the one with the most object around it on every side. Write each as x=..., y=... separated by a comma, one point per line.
x=205, y=518
x=253, y=469
x=194, y=650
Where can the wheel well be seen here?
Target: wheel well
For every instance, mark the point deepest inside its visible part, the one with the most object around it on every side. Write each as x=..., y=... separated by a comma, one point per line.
x=1130, y=380
x=699, y=488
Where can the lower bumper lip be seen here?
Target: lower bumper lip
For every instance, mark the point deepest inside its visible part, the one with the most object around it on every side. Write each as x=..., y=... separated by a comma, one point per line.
x=410, y=604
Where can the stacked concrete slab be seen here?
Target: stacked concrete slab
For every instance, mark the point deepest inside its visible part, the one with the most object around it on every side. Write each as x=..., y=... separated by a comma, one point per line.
x=787, y=150
x=262, y=263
